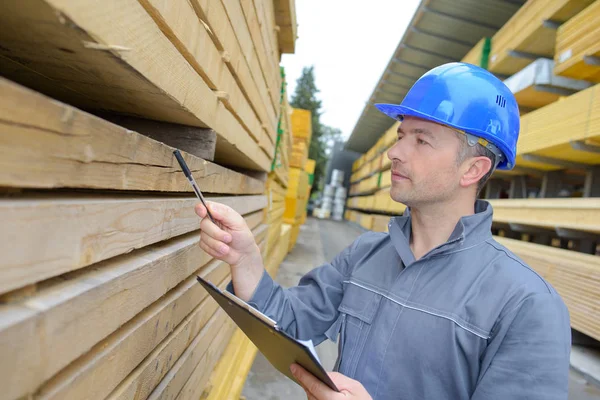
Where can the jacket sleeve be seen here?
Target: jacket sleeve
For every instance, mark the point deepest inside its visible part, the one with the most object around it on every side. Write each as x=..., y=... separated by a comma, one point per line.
x=307, y=310
x=529, y=353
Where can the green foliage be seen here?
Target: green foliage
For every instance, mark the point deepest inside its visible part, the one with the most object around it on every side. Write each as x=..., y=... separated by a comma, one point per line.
x=323, y=136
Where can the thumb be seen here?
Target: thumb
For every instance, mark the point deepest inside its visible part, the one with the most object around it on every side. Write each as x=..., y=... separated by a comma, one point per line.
x=226, y=215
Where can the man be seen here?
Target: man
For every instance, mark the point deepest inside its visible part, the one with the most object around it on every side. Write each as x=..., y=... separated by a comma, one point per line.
x=436, y=309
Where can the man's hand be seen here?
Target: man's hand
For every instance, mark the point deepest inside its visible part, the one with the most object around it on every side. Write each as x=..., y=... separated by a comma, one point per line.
x=317, y=390
x=232, y=242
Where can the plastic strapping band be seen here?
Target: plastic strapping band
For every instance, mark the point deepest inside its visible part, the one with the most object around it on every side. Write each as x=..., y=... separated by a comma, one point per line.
x=485, y=53
x=279, y=130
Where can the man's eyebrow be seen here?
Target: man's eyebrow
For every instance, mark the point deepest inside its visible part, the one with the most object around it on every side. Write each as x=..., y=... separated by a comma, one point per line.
x=417, y=131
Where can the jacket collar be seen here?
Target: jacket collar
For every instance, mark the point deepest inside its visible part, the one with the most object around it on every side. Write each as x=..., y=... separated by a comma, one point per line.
x=469, y=231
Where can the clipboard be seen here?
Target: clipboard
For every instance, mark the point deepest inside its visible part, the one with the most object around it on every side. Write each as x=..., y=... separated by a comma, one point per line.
x=281, y=349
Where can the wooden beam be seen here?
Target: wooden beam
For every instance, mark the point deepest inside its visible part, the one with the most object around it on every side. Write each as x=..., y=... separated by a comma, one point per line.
x=114, y=57
x=147, y=375
x=242, y=32
x=573, y=213
x=194, y=387
x=70, y=233
x=269, y=69
x=101, y=369
x=200, y=142
x=121, y=286
x=285, y=14
x=48, y=144
x=178, y=21
x=214, y=15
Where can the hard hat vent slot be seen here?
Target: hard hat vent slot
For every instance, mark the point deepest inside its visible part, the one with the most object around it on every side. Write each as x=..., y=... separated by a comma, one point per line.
x=501, y=101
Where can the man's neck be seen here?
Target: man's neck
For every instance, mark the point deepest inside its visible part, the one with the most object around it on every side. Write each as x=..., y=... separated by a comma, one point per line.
x=432, y=225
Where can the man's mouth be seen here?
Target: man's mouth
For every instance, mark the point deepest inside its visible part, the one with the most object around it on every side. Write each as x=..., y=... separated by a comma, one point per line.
x=397, y=176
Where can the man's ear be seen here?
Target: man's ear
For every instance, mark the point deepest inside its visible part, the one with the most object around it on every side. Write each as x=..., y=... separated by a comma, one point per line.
x=475, y=169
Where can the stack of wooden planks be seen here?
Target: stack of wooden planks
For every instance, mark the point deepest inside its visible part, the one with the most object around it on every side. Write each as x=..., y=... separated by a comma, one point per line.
x=552, y=130
x=116, y=265
x=296, y=199
x=577, y=46
x=98, y=290
x=372, y=178
x=530, y=34
x=302, y=136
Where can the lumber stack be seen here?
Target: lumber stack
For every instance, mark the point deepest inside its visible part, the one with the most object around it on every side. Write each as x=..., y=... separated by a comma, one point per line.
x=577, y=46
x=371, y=180
x=98, y=290
x=530, y=34
x=115, y=260
x=296, y=199
x=208, y=64
x=302, y=135
x=550, y=130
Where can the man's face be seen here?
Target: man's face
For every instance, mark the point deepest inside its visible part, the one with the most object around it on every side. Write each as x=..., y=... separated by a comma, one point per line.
x=424, y=163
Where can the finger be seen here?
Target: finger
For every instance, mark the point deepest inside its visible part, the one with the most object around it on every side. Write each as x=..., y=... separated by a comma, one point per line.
x=212, y=230
x=310, y=383
x=227, y=215
x=200, y=210
x=210, y=251
x=215, y=245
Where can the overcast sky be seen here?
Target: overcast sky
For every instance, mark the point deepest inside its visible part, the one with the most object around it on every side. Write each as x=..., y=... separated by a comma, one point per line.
x=350, y=43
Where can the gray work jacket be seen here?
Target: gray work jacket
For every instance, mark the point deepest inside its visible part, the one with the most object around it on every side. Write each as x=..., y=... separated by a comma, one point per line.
x=469, y=320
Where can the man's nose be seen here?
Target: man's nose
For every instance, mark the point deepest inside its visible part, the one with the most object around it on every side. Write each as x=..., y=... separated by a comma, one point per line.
x=397, y=152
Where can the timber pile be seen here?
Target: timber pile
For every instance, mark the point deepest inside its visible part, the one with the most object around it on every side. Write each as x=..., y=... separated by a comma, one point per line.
x=530, y=34
x=536, y=85
x=372, y=177
x=551, y=130
x=298, y=190
x=98, y=290
x=302, y=136
x=577, y=46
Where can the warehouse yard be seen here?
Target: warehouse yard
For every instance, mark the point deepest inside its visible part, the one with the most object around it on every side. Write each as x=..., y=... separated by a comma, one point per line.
x=99, y=239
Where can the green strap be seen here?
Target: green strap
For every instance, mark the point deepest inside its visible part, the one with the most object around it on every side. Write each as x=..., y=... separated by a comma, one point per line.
x=277, y=155
x=485, y=53
x=379, y=179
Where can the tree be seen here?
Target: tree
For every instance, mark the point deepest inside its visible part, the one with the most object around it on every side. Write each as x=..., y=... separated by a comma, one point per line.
x=323, y=136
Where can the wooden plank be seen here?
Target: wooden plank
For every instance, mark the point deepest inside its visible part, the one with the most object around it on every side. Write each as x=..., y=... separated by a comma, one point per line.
x=577, y=39
x=525, y=32
x=116, y=45
x=91, y=229
x=266, y=21
x=214, y=15
x=269, y=70
x=178, y=314
x=195, y=385
x=184, y=29
x=244, y=37
x=574, y=275
x=285, y=13
x=572, y=213
x=48, y=144
x=549, y=130
x=200, y=142
x=229, y=375
x=123, y=286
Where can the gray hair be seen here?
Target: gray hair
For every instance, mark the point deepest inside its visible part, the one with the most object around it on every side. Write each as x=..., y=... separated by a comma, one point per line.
x=478, y=150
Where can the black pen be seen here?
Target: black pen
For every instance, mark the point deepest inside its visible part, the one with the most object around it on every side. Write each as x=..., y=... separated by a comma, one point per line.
x=188, y=175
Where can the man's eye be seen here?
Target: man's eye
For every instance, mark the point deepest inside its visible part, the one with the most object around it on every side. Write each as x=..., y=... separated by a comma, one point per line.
x=420, y=141
x=399, y=137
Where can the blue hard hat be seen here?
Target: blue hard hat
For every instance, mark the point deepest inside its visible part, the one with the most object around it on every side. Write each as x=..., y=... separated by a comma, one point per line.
x=469, y=99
